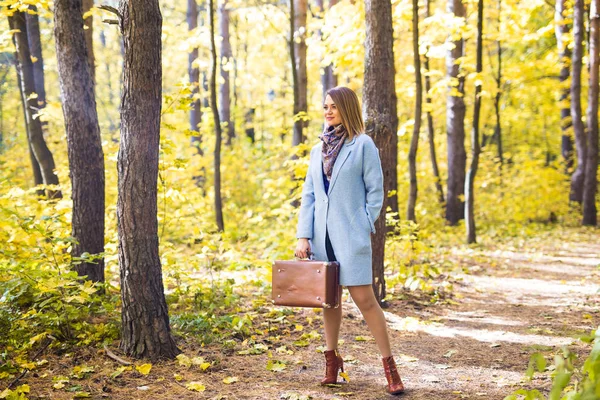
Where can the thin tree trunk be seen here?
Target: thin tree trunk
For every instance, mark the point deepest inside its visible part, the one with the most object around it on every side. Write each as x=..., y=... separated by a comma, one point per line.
x=455, y=123
x=381, y=118
x=35, y=46
x=298, y=42
x=194, y=76
x=470, y=181
x=84, y=145
x=215, y=111
x=591, y=164
x=577, y=179
x=414, y=143
x=35, y=166
x=35, y=133
x=89, y=36
x=430, y=129
x=564, y=57
x=145, y=330
x=328, y=78
x=226, y=58
x=498, y=127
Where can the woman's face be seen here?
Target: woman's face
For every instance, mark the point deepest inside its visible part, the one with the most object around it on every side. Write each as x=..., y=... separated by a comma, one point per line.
x=331, y=113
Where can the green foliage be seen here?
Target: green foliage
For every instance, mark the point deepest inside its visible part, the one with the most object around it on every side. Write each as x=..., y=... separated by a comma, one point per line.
x=570, y=381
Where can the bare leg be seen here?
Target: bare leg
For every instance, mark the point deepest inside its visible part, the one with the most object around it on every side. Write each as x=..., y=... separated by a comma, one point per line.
x=365, y=299
x=332, y=319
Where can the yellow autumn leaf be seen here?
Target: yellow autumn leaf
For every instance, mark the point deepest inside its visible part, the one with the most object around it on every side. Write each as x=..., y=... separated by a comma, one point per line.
x=345, y=376
x=196, y=386
x=143, y=369
x=178, y=377
x=184, y=360
x=204, y=366
x=230, y=379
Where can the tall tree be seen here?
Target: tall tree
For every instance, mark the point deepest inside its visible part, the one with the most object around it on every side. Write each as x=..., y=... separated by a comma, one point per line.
x=455, y=120
x=380, y=113
x=145, y=330
x=194, y=76
x=470, y=181
x=89, y=35
x=86, y=159
x=430, y=128
x=498, y=78
x=225, y=64
x=414, y=143
x=34, y=132
x=299, y=75
x=35, y=46
x=577, y=178
x=561, y=30
x=328, y=78
x=591, y=163
x=215, y=111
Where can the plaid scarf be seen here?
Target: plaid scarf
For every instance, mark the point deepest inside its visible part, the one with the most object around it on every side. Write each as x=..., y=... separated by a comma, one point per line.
x=333, y=139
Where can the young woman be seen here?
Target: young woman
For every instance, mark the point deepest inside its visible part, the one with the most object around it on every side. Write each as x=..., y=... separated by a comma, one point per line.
x=341, y=200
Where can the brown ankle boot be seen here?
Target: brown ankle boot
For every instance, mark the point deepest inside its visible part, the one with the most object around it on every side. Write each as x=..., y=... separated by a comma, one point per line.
x=333, y=363
x=395, y=385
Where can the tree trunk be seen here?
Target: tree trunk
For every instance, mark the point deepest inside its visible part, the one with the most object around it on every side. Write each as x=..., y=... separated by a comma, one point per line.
x=414, y=143
x=591, y=162
x=469, y=189
x=35, y=134
x=381, y=118
x=215, y=111
x=328, y=78
x=225, y=60
x=145, y=331
x=576, y=193
x=35, y=166
x=89, y=36
x=35, y=46
x=430, y=129
x=455, y=123
x=564, y=55
x=194, y=75
x=498, y=127
x=298, y=42
x=84, y=145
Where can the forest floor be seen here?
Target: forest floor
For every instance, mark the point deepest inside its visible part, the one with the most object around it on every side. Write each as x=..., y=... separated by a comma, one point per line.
x=507, y=302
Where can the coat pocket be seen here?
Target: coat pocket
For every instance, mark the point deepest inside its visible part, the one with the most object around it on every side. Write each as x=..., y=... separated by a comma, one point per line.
x=360, y=221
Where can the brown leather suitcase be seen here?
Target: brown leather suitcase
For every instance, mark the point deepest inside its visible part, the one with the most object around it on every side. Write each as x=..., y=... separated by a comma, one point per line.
x=305, y=283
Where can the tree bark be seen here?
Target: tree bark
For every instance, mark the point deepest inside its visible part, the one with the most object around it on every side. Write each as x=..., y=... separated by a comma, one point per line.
x=577, y=179
x=430, y=128
x=591, y=162
x=145, y=331
x=84, y=145
x=455, y=123
x=475, y=149
x=298, y=42
x=194, y=76
x=414, y=143
x=381, y=118
x=226, y=58
x=35, y=133
x=561, y=31
x=35, y=46
x=215, y=111
x=89, y=37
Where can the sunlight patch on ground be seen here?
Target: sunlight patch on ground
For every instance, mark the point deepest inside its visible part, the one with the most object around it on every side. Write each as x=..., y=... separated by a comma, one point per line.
x=410, y=324
x=480, y=318
x=538, y=287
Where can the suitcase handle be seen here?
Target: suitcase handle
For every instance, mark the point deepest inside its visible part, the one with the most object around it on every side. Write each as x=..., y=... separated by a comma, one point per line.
x=310, y=256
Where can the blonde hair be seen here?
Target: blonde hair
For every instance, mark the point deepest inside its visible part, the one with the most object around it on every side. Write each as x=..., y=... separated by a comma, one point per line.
x=348, y=106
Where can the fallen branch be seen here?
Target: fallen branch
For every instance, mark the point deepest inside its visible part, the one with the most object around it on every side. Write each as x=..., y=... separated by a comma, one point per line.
x=115, y=357
x=39, y=352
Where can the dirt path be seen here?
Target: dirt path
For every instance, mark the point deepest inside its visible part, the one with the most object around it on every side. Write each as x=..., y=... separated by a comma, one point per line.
x=506, y=305
x=509, y=305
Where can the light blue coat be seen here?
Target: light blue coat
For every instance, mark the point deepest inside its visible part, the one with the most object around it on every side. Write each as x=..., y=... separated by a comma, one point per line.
x=348, y=212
